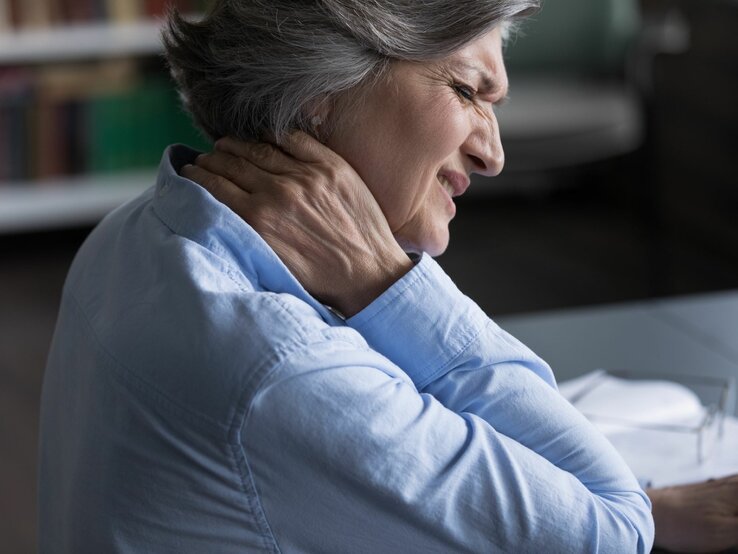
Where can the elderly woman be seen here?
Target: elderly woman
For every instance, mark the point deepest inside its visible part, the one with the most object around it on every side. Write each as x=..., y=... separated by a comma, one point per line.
x=270, y=360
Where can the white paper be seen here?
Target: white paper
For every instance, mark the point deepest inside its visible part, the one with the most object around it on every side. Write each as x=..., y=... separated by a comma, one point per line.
x=659, y=456
x=664, y=458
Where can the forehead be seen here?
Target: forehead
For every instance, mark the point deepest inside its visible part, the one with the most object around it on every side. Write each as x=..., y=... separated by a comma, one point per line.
x=488, y=45
x=484, y=57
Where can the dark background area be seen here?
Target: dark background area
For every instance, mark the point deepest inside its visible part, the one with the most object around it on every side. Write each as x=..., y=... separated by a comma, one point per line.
x=598, y=236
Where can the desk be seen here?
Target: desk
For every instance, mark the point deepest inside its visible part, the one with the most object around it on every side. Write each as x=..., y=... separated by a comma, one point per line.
x=684, y=335
x=695, y=335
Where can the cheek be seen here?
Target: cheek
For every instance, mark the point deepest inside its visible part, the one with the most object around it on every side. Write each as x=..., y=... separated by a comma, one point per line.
x=399, y=145
x=436, y=128
x=431, y=139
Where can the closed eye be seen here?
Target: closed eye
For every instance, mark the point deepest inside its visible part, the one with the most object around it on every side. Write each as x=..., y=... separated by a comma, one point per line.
x=464, y=91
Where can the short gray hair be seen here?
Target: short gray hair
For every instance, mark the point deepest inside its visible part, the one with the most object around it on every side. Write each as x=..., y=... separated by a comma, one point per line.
x=256, y=68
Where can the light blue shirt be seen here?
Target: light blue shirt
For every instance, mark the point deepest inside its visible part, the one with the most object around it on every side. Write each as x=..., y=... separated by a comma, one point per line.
x=198, y=399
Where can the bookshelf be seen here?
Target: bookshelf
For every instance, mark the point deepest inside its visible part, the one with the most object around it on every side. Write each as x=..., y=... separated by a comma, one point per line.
x=67, y=201
x=79, y=41
x=80, y=195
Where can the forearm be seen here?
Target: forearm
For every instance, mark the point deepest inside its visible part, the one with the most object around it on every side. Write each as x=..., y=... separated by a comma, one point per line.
x=426, y=326
x=451, y=350
x=380, y=461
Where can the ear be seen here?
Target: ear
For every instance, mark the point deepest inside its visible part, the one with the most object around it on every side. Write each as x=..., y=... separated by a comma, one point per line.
x=318, y=116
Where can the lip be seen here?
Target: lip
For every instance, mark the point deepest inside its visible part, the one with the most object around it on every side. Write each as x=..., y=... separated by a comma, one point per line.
x=459, y=182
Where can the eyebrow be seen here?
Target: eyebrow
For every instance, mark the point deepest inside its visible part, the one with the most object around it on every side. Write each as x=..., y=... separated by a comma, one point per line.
x=489, y=84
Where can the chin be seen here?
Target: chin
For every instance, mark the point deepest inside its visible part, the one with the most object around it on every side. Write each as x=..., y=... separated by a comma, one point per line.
x=433, y=245
x=437, y=250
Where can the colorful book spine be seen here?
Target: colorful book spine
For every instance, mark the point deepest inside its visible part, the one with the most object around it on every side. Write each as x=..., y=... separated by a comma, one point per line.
x=124, y=11
x=23, y=14
x=6, y=21
x=130, y=129
x=16, y=94
x=102, y=116
x=156, y=8
x=74, y=124
x=35, y=13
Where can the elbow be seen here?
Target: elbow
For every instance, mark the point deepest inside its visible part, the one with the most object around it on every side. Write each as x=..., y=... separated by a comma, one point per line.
x=643, y=526
x=627, y=524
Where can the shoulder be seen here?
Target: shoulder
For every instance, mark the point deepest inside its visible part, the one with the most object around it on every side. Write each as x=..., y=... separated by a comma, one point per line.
x=184, y=320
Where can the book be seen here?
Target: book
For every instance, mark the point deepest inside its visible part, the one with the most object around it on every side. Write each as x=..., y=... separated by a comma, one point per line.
x=124, y=11
x=17, y=114
x=61, y=139
x=16, y=93
x=35, y=14
x=77, y=11
x=156, y=8
x=159, y=8
x=47, y=157
x=130, y=128
x=109, y=132
x=12, y=12
x=98, y=116
x=5, y=16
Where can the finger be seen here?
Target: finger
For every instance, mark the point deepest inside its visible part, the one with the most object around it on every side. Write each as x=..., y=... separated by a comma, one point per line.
x=305, y=148
x=222, y=189
x=236, y=169
x=263, y=155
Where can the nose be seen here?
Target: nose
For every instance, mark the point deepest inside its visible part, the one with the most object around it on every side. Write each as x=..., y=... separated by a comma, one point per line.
x=483, y=147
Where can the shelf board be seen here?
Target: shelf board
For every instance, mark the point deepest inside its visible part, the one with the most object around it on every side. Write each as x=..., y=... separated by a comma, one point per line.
x=67, y=202
x=72, y=42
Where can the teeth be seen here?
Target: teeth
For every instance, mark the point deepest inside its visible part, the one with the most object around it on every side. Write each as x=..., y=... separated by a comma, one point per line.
x=446, y=185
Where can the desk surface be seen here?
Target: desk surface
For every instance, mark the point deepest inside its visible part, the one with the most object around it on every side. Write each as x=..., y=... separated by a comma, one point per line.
x=695, y=335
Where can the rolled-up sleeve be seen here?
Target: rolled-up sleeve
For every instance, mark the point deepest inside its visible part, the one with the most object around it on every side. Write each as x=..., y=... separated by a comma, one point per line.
x=441, y=434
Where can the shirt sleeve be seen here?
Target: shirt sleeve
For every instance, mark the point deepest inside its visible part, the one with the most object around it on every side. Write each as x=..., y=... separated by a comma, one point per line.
x=347, y=456
x=453, y=352
x=441, y=433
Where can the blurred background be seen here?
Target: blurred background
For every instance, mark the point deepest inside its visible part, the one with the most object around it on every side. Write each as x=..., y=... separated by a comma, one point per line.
x=621, y=135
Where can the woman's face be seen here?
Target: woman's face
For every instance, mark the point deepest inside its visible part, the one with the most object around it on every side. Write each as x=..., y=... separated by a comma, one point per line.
x=420, y=133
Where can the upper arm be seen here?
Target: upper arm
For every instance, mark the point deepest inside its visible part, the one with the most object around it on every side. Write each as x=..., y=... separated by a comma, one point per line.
x=346, y=454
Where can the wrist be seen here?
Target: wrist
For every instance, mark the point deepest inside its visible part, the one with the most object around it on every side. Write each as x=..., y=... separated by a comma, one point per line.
x=372, y=281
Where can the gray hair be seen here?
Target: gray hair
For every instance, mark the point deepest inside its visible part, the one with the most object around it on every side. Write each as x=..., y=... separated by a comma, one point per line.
x=256, y=68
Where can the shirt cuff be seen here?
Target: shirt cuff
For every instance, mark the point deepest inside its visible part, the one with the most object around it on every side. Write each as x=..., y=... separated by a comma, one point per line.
x=422, y=322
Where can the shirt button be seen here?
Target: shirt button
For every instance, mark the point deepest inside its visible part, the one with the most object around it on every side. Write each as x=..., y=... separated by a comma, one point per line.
x=164, y=188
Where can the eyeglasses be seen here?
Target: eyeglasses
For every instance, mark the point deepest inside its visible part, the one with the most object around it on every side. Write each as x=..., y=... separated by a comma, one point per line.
x=617, y=401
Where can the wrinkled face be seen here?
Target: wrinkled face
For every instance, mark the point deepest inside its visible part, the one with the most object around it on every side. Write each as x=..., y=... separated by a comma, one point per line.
x=421, y=132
